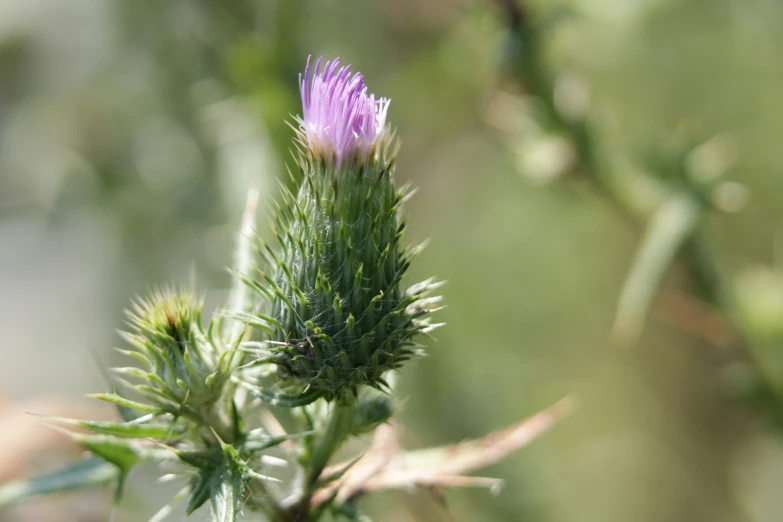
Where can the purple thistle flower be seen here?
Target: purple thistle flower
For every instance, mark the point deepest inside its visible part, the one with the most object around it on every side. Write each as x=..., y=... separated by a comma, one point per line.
x=339, y=117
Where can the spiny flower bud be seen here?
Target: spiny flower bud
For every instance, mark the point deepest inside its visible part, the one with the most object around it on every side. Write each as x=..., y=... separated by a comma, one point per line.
x=183, y=367
x=339, y=317
x=370, y=413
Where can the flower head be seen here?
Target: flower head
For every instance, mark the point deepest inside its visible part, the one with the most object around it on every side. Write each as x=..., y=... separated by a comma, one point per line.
x=339, y=117
x=182, y=364
x=338, y=317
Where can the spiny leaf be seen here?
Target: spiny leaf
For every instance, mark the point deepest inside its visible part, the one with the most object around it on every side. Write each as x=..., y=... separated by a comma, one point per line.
x=76, y=475
x=200, y=491
x=126, y=403
x=263, y=441
x=351, y=513
x=205, y=460
x=116, y=451
x=282, y=399
x=222, y=483
x=226, y=491
x=336, y=473
x=126, y=430
x=259, y=321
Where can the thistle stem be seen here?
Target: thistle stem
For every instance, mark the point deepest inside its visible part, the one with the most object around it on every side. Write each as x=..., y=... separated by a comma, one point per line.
x=337, y=427
x=338, y=424
x=218, y=421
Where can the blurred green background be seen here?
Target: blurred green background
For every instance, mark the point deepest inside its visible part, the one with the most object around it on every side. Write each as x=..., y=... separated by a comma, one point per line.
x=131, y=130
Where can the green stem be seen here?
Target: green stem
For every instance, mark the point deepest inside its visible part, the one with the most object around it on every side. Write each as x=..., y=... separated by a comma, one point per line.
x=338, y=425
x=337, y=428
x=220, y=422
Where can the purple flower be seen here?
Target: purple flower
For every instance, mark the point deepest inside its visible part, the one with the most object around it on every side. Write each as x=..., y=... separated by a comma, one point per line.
x=339, y=117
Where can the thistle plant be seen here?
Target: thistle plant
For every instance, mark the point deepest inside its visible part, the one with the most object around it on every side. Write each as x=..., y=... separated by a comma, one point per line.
x=315, y=326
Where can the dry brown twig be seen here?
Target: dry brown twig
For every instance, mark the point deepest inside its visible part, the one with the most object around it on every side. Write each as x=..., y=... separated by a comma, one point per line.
x=386, y=465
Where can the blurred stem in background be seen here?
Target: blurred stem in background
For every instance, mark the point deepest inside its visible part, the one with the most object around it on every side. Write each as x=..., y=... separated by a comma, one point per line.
x=671, y=213
x=669, y=204
x=669, y=201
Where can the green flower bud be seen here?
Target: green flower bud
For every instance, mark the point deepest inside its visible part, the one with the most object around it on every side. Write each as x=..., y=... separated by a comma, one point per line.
x=182, y=366
x=371, y=412
x=759, y=295
x=759, y=307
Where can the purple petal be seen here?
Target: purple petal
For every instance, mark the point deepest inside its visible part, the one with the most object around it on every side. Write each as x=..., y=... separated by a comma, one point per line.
x=338, y=115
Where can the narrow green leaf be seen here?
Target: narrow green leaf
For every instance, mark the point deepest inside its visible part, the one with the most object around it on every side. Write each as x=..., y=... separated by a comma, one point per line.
x=205, y=460
x=126, y=430
x=82, y=474
x=351, y=513
x=222, y=484
x=236, y=420
x=338, y=474
x=258, y=321
x=126, y=403
x=200, y=491
x=282, y=399
x=263, y=443
x=117, y=451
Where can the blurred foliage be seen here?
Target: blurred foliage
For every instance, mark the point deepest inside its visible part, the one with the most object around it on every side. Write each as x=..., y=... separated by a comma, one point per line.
x=130, y=131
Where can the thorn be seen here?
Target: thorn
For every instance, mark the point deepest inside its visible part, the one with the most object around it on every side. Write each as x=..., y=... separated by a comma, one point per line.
x=252, y=474
x=222, y=444
x=274, y=462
